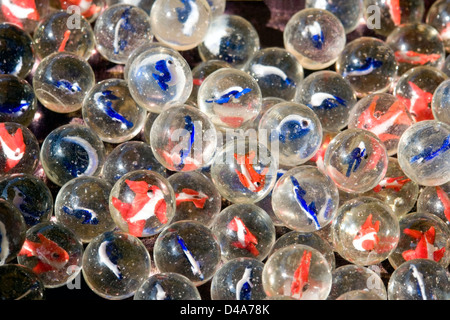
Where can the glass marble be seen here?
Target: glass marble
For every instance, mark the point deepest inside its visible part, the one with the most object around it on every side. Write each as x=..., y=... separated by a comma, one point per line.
x=158, y=76
x=25, y=15
x=330, y=96
x=348, y=12
x=353, y=277
x=53, y=252
x=119, y=30
x=440, y=103
x=277, y=72
x=369, y=65
x=238, y=279
x=244, y=171
x=298, y=272
x=18, y=102
x=438, y=16
x=111, y=112
x=20, y=283
x=63, y=31
x=415, y=88
x=167, y=286
x=109, y=265
x=365, y=231
x=422, y=236
x=315, y=37
x=19, y=149
x=61, y=81
x=70, y=151
x=180, y=24
x=231, y=98
x=82, y=205
x=142, y=203
x=423, y=152
x=230, y=38
x=311, y=239
x=188, y=248
x=12, y=231
x=383, y=114
x=356, y=160
x=16, y=50
x=293, y=132
x=30, y=195
x=197, y=198
x=396, y=190
x=130, y=156
x=305, y=199
x=384, y=16
x=436, y=200
x=419, y=279
x=416, y=44
x=244, y=230
x=149, y=44
x=183, y=138
x=201, y=71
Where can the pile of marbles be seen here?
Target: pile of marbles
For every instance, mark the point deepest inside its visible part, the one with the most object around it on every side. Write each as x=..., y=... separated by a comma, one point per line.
x=160, y=150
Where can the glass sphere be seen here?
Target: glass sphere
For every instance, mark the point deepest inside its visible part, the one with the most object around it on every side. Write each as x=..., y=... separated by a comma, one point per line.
x=182, y=25
x=238, y=279
x=293, y=132
x=109, y=265
x=420, y=279
x=188, y=248
x=64, y=31
x=365, y=231
x=231, y=98
x=305, y=199
x=111, y=112
x=423, y=152
x=119, y=30
x=244, y=171
x=416, y=44
x=316, y=37
x=167, y=286
x=142, y=203
x=70, y=151
x=356, y=160
x=230, y=38
x=277, y=72
x=62, y=80
x=297, y=271
x=330, y=96
x=158, y=76
x=369, y=65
